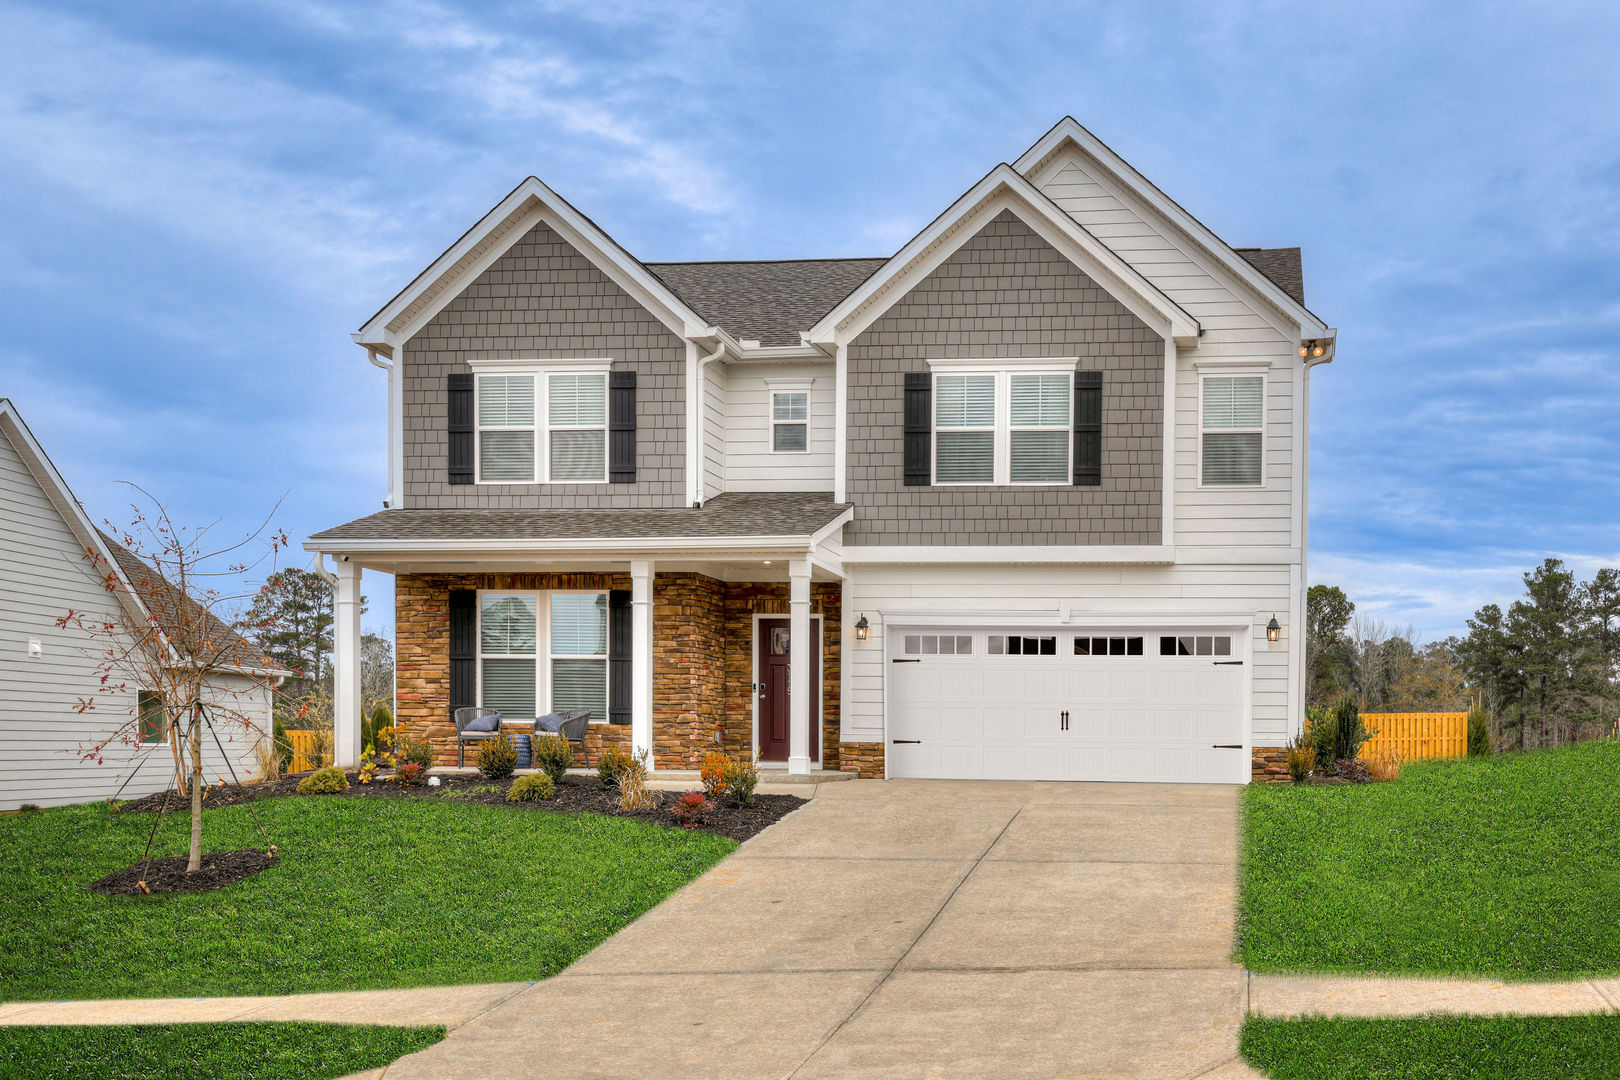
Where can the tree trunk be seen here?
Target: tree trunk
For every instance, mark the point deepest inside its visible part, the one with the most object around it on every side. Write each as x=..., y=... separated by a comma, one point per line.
x=195, y=861
x=179, y=760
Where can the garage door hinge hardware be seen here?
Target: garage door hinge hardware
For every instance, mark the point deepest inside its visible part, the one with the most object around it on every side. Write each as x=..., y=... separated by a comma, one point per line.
x=1227, y=746
x=898, y=741
x=1238, y=663
x=899, y=660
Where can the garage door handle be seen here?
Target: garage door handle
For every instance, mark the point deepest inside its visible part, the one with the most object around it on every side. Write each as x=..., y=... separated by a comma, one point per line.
x=911, y=741
x=899, y=661
x=1227, y=746
x=1218, y=663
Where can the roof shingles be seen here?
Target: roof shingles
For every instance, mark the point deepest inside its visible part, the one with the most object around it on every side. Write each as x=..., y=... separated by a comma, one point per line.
x=768, y=302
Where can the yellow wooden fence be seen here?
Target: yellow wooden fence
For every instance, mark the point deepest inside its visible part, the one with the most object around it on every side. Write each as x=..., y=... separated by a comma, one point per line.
x=1416, y=735
x=305, y=750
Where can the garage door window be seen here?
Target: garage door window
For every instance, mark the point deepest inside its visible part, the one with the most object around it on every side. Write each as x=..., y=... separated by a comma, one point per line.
x=1017, y=645
x=939, y=645
x=1108, y=646
x=1195, y=645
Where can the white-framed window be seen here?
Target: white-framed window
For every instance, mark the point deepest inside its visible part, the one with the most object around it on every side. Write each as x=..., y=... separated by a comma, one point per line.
x=541, y=652
x=1231, y=415
x=1003, y=426
x=539, y=422
x=790, y=421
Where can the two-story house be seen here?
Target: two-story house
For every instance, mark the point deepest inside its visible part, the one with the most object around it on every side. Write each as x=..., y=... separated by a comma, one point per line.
x=1024, y=500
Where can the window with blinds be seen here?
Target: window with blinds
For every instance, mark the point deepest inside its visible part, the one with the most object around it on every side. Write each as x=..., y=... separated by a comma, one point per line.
x=543, y=652
x=533, y=426
x=1003, y=427
x=790, y=422
x=1232, y=429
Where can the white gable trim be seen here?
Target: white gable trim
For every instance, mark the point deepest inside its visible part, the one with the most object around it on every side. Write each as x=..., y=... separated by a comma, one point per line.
x=528, y=204
x=1002, y=189
x=1143, y=191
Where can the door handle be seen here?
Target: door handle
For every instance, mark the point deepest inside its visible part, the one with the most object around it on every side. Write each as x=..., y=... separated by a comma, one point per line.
x=1227, y=746
x=910, y=741
x=1236, y=663
x=898, y=660
x=1063, y=720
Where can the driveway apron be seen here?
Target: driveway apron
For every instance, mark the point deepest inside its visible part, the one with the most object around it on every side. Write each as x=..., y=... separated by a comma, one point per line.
x=911, y=929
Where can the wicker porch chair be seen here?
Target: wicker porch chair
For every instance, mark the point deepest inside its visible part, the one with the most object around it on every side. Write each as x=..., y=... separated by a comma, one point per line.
x=464, y=716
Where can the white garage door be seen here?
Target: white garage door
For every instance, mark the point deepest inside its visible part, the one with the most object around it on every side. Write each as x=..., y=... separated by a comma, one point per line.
x=1161, y=706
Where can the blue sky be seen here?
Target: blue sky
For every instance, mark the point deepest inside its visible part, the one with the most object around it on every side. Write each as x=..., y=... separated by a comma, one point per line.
x=202, y=200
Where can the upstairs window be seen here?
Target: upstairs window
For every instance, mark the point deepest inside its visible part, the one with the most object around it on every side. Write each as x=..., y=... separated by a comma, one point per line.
x=152, y=717
x=1232, y=430
x=1003, y=427
x=790, y=422
x=542, y=427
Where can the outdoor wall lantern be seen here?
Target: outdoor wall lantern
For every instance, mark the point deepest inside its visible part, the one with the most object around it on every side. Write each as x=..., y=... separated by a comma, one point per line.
x=1312, y=349
x=1273, y=630
x=862, y=628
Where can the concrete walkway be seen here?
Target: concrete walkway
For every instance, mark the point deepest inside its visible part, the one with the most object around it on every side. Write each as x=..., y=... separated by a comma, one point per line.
x=911, y=929
x=1301, y=995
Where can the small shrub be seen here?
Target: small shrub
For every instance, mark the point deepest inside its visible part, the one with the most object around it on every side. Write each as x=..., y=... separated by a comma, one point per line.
x=409, y=772
x=1479, y=734
x=455, y=793
x=1384, y=765
x=531, y=788
x=1322, y=736
x=690, y=808
x=327, y=781
x=488, y=789
x=410, y=748
x=634, y=794
x=497, y=757
x=612, y=762
x=553, y=756
x=713, y=774
x=1301, y=759
x=741, y=777
x=1348, y=730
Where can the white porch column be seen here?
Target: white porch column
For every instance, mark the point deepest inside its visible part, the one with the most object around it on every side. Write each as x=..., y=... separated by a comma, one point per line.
x=346, y=666
x=641, y=657
x=801, y=649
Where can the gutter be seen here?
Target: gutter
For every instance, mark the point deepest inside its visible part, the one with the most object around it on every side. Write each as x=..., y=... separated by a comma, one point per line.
x=696, y=446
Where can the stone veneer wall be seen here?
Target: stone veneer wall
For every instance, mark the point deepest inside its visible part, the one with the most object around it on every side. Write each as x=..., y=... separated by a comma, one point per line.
x=864, y=759
x=702, y=660
x=743, y=601
x=1270, y=765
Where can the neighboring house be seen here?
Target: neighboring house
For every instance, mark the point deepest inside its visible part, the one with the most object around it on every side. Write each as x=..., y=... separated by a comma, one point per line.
x=1032, y=489
x=45, y=670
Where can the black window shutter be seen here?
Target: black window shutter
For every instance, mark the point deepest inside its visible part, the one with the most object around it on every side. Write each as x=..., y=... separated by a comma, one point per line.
x=919, y=429
x=619, y=656
x=458, y=395
x=1088, y=428
x=622, y=428
x=463, y=648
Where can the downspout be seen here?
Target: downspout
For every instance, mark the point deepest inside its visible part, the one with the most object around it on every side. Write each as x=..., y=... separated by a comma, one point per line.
x=1305, y=522
x=388, y=366
x=699, y=455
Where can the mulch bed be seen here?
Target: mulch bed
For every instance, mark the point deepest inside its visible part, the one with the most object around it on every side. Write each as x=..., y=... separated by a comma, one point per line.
x=576, y=794
x=168, y=875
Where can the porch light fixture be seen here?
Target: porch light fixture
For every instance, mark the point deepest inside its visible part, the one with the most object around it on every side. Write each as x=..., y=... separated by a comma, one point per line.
x=1312, y=349
x=862, y=628
x=1273, y=630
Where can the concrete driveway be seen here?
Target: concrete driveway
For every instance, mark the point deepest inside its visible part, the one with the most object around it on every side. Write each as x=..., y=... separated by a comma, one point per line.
x=911, y=929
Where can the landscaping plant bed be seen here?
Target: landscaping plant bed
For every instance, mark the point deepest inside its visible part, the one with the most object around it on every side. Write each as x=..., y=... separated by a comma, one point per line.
x=168, y=875
x=576, y=794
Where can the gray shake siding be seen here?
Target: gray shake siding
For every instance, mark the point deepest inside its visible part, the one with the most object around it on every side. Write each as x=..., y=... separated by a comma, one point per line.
x=1007, y=293
x=544, y=300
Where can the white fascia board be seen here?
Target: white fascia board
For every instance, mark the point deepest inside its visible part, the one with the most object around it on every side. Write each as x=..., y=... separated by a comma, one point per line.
x=832, y=526
x=1009, y=555
x=538, y=203
x=1003, y=188
x=1070, y=130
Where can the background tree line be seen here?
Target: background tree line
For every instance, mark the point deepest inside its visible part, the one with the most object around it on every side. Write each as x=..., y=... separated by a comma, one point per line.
x=1547, y=671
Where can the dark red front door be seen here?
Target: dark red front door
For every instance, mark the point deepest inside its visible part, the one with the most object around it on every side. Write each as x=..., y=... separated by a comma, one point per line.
x=775, y=644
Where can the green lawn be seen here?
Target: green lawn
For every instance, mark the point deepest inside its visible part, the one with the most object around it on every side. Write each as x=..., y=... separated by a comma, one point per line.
x=1506, y=867
x=246, y=1051
x=369, y=894
x=1435, y=1048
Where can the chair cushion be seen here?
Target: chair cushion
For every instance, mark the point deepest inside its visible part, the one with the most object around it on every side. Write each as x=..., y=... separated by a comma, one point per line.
x=492, y=722
x=550, y=722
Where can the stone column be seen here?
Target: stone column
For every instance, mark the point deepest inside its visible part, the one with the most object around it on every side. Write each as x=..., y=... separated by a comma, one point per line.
x=641, y=657
x=802, y=646
x=346, y=666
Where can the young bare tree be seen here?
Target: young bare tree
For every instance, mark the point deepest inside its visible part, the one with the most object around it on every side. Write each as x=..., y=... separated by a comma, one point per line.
x=174, y=639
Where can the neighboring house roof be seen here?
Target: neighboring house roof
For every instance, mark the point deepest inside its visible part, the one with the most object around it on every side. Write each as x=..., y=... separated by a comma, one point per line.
x=769, y=302
x=734, y=514
x=1282, y=265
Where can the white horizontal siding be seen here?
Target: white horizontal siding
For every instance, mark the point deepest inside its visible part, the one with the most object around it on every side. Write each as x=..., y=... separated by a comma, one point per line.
x=1009, y=593
x=750, y=464
x=714, y=430
x=42, y=735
